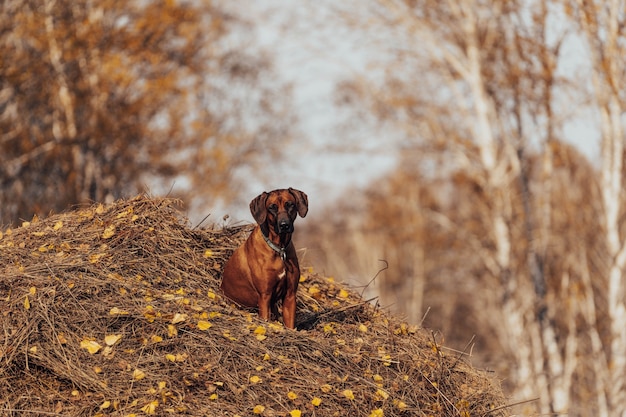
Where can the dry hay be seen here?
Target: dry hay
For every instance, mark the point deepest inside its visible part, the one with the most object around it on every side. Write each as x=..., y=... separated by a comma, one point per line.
x=116, y=310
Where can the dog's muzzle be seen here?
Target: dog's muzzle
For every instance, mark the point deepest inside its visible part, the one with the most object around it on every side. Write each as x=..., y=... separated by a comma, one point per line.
x=284, y=226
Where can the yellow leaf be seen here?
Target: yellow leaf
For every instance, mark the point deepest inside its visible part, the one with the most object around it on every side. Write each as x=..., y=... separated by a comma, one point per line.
x=326, y=388
x=25, y=224
x=255, y=379
x=97, y=369
x=213, y=397
x=105, y=405
x=295, y=413
x=26, y=303
x=33, y=350
x=377, y=378
x=292, y=395
x=401, y=405
x=172, y=331
x=343, y=293
x=58, y=225
x=116, y=311
x=62, y=339
x=260, y=330
x=170, y=357
x=211, y=295
x=208, y=253
x=348, y=394
x=258, y=409
x=95, y=257
x=362, y=328
x=150, y=408
x=91, y=345
x=266, y=357
x=381, y=394
x=108, y=232
x=138, y=374
x=179, y=318
x=377, y=413
x=112, y=339
x=204, y=325
x=316, y=401
x=100, y=209
x=156, y=338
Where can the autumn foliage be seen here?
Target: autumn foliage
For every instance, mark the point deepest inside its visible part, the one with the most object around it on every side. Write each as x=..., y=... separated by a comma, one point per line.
x=115, y=310
x=103, y=99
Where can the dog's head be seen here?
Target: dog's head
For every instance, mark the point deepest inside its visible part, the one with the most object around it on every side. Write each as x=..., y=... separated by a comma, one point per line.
x=279, y=209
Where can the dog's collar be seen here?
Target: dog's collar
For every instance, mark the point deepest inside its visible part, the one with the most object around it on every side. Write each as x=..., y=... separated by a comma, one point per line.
x=281, y=251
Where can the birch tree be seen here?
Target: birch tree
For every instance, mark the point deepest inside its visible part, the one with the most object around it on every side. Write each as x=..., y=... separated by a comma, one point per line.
x=603, y=27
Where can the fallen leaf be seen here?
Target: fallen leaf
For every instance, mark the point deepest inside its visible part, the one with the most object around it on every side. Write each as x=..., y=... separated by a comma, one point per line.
x=258, y=409
x=348, y=394
x=316, y=401
x=377, y=413
x=295, y=413
x=292, y=395
x=150, y=408
x=381, y=394
x=204, y=325
x=26, y=303
x=58, y=225
x=112, y=339
x=108, y=232
x=138, y=374
x=179, y=318
x=116, y=311
x=255, y=379
x=91, y=345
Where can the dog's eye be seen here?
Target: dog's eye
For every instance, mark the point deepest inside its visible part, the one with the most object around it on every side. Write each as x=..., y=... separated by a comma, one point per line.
x=273, y=207
x=289, y=205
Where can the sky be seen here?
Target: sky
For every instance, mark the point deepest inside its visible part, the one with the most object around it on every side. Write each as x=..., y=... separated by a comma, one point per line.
x=314, y=53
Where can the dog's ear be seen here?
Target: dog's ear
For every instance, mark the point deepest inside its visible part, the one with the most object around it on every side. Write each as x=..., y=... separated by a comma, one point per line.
x=302, y=201
x=257, y=208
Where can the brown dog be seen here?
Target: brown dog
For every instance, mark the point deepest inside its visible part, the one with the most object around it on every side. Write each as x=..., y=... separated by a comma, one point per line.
x=265, y=269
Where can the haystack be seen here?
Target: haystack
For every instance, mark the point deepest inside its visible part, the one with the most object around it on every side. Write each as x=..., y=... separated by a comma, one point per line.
x=116, y=310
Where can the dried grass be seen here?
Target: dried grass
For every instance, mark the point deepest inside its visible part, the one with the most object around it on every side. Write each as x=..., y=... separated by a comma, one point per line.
x=116, y=310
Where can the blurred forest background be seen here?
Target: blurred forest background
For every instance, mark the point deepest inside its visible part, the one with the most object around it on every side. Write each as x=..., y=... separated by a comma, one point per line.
x=496, y=231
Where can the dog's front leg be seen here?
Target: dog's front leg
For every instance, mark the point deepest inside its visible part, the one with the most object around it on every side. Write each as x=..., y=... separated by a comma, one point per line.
x=264, y=306
x=289, y=311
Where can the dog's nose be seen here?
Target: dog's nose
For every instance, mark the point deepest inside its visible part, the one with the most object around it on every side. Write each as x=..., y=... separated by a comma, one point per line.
x=284, y=226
